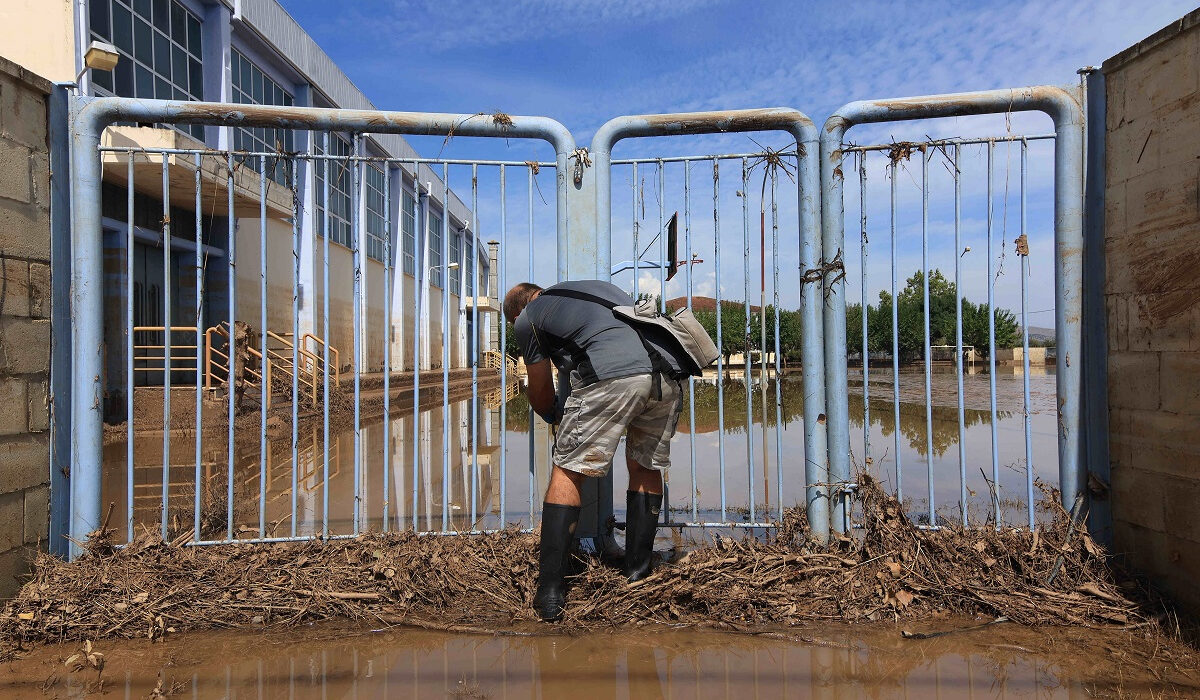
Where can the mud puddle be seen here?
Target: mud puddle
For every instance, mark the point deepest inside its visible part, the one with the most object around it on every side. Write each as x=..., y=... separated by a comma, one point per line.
x=829, y=661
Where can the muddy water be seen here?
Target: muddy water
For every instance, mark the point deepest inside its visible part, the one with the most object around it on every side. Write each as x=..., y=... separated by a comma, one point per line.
x=830, y=662
x=446, y=472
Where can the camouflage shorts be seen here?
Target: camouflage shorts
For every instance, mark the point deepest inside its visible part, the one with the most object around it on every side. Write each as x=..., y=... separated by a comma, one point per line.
x=597, y=415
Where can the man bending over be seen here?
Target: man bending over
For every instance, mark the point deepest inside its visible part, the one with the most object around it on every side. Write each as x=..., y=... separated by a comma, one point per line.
x=614, y=380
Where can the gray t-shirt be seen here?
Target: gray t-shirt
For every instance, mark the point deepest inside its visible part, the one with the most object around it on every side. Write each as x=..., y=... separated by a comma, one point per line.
x=586, y=337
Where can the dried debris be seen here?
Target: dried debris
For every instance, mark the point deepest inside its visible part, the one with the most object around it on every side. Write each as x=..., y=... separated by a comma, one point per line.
x=892, y=570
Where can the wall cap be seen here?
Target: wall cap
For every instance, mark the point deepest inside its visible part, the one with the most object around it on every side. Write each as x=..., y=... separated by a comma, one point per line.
x=1172, y=30
x=26, y=76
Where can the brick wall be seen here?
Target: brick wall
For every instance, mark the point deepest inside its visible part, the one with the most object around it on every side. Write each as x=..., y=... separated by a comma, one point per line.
x=1152, y=298
x=24, y=320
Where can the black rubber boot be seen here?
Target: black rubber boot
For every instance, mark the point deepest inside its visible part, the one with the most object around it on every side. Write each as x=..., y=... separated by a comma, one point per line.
x=641, y=524
x=558, y=527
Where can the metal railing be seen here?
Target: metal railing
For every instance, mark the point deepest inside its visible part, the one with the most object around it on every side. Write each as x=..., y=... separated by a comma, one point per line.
x=341, y=197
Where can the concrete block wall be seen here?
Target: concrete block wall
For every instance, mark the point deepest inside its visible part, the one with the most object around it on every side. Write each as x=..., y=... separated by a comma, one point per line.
x=24, y=320
x=1152, y=299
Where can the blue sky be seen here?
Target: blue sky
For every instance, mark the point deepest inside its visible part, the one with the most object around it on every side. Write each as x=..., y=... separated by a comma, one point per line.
x=585, y=61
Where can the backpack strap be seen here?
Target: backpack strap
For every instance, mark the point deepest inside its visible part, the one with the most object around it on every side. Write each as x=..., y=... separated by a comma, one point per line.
x=657, y=363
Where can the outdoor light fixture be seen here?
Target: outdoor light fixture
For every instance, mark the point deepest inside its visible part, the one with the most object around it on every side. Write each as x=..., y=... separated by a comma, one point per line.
x=101, y=56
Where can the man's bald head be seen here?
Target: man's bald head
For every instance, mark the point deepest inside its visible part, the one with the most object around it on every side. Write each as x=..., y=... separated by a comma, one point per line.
x=517, y=298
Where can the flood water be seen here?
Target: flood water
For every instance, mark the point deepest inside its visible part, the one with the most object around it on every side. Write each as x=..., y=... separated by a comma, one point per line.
x=842, y=662
x=445, y=473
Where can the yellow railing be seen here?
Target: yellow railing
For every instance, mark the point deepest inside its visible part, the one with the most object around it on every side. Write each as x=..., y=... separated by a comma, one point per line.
x=333, y=353
x=146, y=360
x=493, y=358
x=277, y=362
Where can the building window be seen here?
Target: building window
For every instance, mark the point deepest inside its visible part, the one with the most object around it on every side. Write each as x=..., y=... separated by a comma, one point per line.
x=252, y=86
x=160, y=46
x=435, y=250
x=455, y=273
x=376, y=206
x=408, y=227
x=339, y=189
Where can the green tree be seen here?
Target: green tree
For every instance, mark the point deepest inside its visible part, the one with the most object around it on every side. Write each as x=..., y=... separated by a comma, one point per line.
x=910, y=314
x=510, y=341
x=789, y=334
x=733, y=328
x=975, y=327
x=854, y=316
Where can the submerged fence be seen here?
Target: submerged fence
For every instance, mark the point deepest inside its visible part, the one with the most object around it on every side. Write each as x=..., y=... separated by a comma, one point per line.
x=390, y=282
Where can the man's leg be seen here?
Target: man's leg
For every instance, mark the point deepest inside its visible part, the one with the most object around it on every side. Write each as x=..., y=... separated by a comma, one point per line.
x=648, y=443
x=643, y=480
x=643, y=501
x=564, y=487
x=560, y=513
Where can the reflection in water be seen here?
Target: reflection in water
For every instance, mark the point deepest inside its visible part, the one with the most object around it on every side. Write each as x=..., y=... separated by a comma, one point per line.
x=324, y=662
x=477, y=484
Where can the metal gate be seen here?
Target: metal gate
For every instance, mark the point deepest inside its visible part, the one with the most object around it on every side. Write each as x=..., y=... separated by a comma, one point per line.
x=1064, y=107
x=292, y=364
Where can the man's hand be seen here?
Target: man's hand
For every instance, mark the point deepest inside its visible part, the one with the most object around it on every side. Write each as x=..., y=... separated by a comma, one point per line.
x=541, y=391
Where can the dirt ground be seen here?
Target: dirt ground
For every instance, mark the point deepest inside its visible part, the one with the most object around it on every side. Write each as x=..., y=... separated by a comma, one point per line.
x=893, y=572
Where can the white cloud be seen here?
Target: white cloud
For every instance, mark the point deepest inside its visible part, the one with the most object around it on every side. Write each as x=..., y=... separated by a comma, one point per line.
x=445, y=24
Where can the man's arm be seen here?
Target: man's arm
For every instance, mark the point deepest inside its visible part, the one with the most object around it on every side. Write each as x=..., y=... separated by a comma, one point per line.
x=541, y=390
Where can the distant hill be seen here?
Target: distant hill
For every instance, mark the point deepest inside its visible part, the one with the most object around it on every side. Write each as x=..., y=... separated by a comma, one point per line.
x=708, y=304
x=1040, y=333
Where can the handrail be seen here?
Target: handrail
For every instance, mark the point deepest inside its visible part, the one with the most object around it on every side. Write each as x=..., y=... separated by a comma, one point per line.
x=337, y=361
x=491, y=360
x=186, y=359
x=216, y=361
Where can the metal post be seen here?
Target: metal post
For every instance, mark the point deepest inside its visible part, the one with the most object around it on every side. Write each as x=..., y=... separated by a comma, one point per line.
x=445, y=277
x=231, y=249
x=130, y=384
x=265, y=379
x=296, y=343
x=895, y=342
x=991, y=302
x=958, y=340
x=387, y=341
x=927, y=350
x=199, y=405
x=747, y=364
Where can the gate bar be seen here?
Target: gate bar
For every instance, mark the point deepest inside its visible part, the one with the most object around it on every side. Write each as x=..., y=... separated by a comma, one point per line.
x=1064, y=108
x=808, y=172
x=90, y=116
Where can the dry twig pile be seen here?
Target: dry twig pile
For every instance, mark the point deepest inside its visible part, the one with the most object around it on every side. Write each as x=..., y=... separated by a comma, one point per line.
x=892, y=570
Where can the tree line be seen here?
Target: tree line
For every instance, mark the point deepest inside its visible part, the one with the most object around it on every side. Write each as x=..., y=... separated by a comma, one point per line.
x=910, y=316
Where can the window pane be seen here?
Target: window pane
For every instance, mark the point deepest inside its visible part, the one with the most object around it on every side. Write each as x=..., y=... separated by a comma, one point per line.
x=122, y=30
x=162, y=89
x=246, y=78
x=179, y=64
x=162, y=15
x=143, y=47
x=103, y=79
x=98, y=17
x=195, y=79
x=193, y=37
x=162, y=55
x=145, y=82
x=123, y=78
x=178, y=23
x=142, y=7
